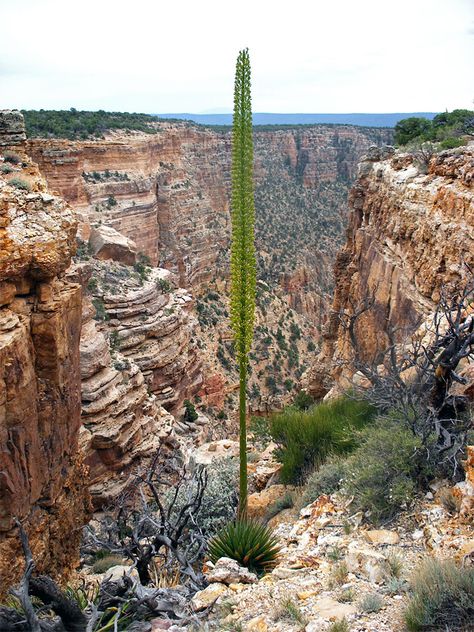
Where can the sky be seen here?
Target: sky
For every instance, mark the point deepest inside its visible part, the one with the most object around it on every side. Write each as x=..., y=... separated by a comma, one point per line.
x=179, y=56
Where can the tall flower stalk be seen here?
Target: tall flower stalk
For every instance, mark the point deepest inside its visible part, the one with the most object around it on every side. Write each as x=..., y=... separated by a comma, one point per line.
x=242, y=260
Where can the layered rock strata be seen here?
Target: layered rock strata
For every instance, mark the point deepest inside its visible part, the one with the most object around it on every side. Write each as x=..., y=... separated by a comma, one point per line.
x=41, y=476
x=411, y=232
x=169, y=193
x=137, y=357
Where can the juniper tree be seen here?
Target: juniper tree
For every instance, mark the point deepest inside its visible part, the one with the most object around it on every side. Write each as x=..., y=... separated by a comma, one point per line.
x=242, y=260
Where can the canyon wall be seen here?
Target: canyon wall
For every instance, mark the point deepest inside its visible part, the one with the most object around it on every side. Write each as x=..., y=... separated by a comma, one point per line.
x=41, y=475
x=411, y=231
x=169, y=192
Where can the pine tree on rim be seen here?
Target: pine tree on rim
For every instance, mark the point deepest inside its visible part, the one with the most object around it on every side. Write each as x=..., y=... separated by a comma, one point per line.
x=242, y=259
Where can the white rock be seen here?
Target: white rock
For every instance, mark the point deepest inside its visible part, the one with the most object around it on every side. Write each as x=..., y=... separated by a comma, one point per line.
x=228, y=571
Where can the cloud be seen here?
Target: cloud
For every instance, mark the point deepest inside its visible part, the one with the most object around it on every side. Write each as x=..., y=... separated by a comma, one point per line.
x=306, y=56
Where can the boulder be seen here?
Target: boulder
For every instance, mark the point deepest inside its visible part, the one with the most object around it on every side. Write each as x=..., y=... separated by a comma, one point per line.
x=216, y=450
x=107, y=243
x=382, y=536
x=228, y=571
x=259, y=502
x=330, y=609
x=366, y=562
x=204, y=598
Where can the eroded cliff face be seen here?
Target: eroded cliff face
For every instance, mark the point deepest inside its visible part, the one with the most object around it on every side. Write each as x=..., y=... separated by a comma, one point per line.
x=41, y=475
x=169, y=193
x=411, y=231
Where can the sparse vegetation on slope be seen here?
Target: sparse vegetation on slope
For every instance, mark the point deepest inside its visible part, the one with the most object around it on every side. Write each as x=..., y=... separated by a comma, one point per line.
x=443, y=597
x=447, y=129
x=306, y=438
x=81, y=125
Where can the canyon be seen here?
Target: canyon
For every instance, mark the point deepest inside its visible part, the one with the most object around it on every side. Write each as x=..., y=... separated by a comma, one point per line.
x=410, y=234
x=169, y=192
x=103, y=337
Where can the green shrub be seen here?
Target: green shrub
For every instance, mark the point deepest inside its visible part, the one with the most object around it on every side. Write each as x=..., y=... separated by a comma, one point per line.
x=371, y=603
x=19, y=183
x=452, y=143
x=252, y=544
x=303, y=401
x=102, y=565
x=325, y=480
x=11, y=157
x=305, y=439
x=386, y=470
x=410, y=128
x=443, y=597
x=190, y=414
x=100, y=311
x=164, y=285
x=6, y=169
x=339, y=626
x=220, y=498
x=260, y=429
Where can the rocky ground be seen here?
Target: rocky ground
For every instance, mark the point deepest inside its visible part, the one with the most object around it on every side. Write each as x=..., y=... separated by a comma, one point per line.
x=334, y=567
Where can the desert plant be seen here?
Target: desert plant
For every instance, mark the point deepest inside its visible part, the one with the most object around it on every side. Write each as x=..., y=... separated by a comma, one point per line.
x=190, y=414
x=346, y=595
x=395, y=586
x=290, y=611
x=104, y=563
x=242, y=257
x=442, y=597
x=339, y=626
x=19, y=183
x=303, y=400
x=6, y=169
x=334, y=554
x=393, y=565
x=386, y=470
x=260, y=429
x=250, y=543
x=219, y=500
x=338, y=576
x=305, y=439
x=100, y=311
x=325, y=480
x=11, y=157
x=371, y=603
x=164, y=285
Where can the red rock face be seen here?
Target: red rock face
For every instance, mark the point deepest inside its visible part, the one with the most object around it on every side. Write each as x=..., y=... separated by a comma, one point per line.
x=41, y=477
x=170, y=193
x=409, y=234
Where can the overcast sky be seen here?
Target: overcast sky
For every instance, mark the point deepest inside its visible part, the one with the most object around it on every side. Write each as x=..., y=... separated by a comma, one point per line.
x=179, y=56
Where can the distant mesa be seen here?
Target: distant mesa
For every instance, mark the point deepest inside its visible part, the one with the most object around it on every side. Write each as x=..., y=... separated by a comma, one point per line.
x=263, y=118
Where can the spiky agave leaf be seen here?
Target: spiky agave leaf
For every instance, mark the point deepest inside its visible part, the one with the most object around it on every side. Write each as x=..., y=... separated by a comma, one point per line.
x=250, y=543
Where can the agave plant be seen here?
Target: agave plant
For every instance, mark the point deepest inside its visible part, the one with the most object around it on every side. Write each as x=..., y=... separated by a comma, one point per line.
x=248, y=542
x=242, y=257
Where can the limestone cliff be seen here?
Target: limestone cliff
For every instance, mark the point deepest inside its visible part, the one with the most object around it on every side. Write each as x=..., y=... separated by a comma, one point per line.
x=41, y=476
x=411, y=231
x=137, y=356
x=169, y=193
